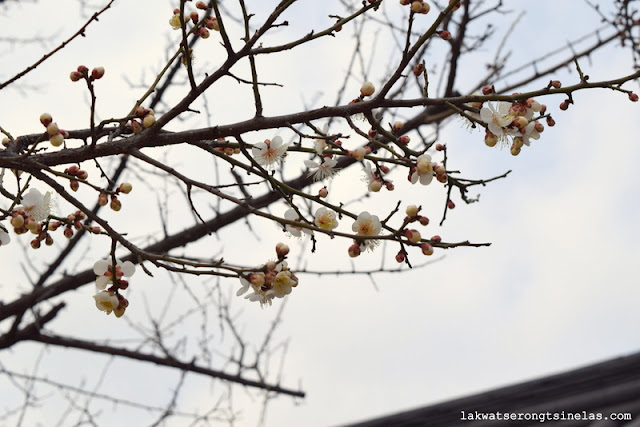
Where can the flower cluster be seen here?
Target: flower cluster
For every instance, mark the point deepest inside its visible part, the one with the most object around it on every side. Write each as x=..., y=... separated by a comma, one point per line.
x=144, y=118
x=199, y=28
x=109, y=299
x=272, y=280
x=55, y=134
x=417, y=6
x=512, y=121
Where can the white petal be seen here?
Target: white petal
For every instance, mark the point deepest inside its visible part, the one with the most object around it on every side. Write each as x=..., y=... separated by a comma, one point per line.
x=127, y=268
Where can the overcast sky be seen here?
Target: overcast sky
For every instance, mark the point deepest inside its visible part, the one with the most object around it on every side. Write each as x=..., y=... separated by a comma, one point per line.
x=557, y=288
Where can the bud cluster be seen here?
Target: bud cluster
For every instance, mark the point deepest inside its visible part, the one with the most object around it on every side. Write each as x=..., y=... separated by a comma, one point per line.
x=145, y=117
x=82, y=72
x=55, y=134
x=200, y=28
x=417, y=6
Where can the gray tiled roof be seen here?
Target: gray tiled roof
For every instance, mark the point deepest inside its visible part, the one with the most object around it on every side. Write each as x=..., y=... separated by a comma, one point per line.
x=604, y=388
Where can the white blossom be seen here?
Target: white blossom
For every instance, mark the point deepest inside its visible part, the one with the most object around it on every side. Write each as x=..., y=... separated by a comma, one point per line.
x=104, y=276
x=322, y=170
x=37, y=205
x=269, y=152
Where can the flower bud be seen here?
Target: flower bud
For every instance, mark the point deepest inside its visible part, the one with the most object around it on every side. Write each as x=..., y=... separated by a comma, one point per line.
x=97, y=73
x=83, y=174
x=257, y=279
x=74, y=185
x=282, y=250
x=442, y=178
x=35, y=243
x=75, y=76
x=404, y=139
x=204, y=33
x=68, y=232
x=424, y=221
x=115, y=204
x=416, y=7
x=194, y=17
x=418, y=69
x=17, y=221
x=323, y=192
x=376, y=186
x=440, y=147
x=444, y=34
x=56, y=140
x=212, y=24
x=633, y=97
x=436, y=239
x=427, y=249
x=413, y=236
x=397, y=126
x=135, y=126
x=450, y=204
x=45, y=119
x=488, y=90
x=83, y=70
x=389, y=185
x=400, y=257
x=48, y=240
x=148, y=120
x=490, y=139
x=515, y=150
x=556, y=84
x=412, y=211
x=202, y=5
x=550, y=121
x=52, y=129
x=103, y=199
x=354, y=250
x=125, y=188
x=367, y=89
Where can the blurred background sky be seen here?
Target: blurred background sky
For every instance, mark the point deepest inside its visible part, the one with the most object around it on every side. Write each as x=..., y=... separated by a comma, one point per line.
x=557, y=289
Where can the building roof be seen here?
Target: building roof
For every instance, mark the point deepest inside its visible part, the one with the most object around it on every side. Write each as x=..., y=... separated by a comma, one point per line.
x=611, y=387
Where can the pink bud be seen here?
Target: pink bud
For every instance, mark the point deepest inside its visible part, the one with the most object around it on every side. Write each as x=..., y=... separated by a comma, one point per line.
x=97, y=73
x=633, y=97
x=83, y=174
x=282, y=250
x=397, y=126
x=323, y=192
x=68, y=232
x=450, y=204
x=400, y=257
x=423, y=220
x=445, y=35
x=488, y=90
x=440, y=147
x=564, y=105
x=427, y=249
x=418, y=69
x=204, y=33
x=194, y=17
x=83, y=70
x=436, y=239
x=202, y=5
x=103, y=199
x=556, y=84
x=74, y=185
x=404, y=140
x=550, y=121
x=35, y=243
x=354, y=250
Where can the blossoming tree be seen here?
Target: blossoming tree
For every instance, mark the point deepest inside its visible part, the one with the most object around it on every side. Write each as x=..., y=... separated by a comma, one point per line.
x=64, y=189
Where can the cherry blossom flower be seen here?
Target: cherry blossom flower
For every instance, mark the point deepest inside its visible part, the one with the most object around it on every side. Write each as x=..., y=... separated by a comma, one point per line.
x=36, y=205
x=4, y=237
x=106, y=301
x=498, y=118
x=292, y=215
x=367, y=225
x=325, y=219
x=103, y=267
x=322, y=170
x=424, y=170
x=269, y=152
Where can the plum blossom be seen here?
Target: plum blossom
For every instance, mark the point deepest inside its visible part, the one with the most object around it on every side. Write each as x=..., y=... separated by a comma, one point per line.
x=367, y=225
x=269, y=152
x=322, y=170
x=292, y=215
x=530, y=132
x=325, y=219
x=320, y=144
x=175, y=22
x=104, y=276
x=106, y=301
x=424, y=170
x=37, y=205
x=279, y=282
x=498, y=118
